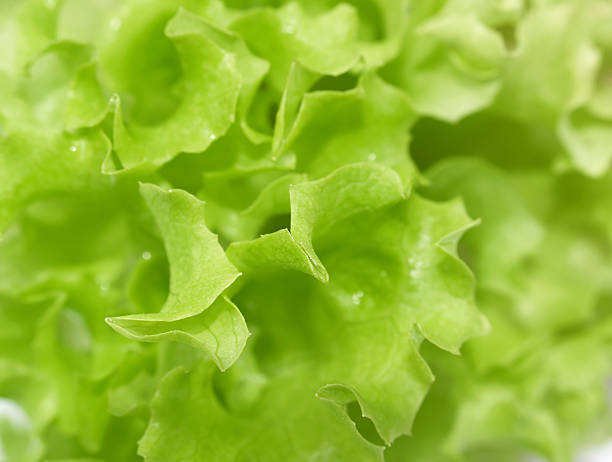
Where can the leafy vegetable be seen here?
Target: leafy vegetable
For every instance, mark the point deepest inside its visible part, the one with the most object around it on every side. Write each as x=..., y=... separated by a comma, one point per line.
x=256, y=230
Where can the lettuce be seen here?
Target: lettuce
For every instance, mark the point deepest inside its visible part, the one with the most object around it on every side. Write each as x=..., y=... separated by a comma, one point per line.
x=255, y=230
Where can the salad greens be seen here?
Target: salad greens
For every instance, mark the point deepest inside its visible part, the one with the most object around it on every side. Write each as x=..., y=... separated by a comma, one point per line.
x=306, y=230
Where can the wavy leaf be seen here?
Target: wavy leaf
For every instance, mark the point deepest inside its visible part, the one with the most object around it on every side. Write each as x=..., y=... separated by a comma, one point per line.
x=200, y=272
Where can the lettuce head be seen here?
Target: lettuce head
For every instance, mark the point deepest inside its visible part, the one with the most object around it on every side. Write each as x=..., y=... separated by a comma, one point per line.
x=306, y=230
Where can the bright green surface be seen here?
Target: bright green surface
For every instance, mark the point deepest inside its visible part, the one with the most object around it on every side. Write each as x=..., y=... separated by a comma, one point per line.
x=267, y=230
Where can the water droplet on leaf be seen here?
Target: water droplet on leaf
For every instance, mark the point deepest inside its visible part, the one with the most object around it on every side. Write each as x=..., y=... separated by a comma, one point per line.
x=115, y=23
x=357, y=296
x=288, y=29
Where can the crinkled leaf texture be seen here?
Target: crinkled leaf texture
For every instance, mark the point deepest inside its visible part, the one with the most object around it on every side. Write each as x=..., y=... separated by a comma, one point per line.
x=371, y=230
x=393, y=278
x=195, y=311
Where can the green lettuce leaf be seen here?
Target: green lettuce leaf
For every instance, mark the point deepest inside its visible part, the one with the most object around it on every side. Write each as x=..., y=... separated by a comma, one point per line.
x=307, y=431
x=32, y=167
x=450, y=65
x=237, y=186
x=195, y=310
x=374, y=119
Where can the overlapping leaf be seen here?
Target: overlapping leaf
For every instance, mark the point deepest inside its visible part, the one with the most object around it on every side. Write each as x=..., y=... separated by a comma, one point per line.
x=195, y=311
x=368, y=300
x=296, y=123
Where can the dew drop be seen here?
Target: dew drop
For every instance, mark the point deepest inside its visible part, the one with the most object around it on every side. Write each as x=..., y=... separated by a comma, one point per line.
x=212, y=137
x=356, y=297
x=103, y=286
x=229, y=60
x=114, y=98
x=146, y=255
x=73, y=148
x=288, y=29
x=371, y=157
x=115, y=23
